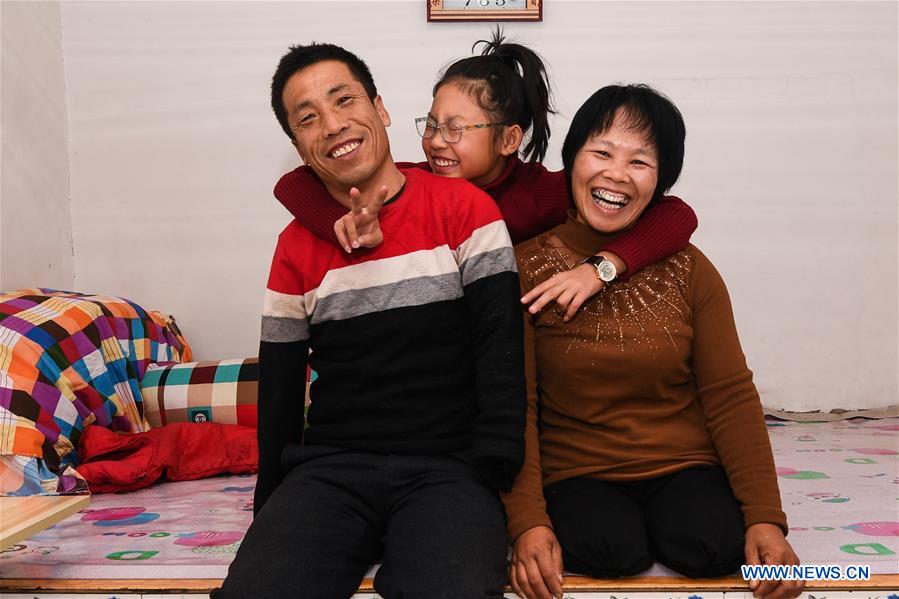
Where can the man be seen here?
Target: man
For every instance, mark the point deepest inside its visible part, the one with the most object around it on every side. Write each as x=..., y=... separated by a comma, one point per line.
x=417, y=415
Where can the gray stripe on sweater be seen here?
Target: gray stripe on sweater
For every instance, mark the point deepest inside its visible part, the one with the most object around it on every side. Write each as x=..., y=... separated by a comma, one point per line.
x=280, y=329
x=487, y=264
x=406, y=293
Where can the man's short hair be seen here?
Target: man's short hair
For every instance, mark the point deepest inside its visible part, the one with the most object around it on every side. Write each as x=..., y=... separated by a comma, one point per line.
x=300, y=57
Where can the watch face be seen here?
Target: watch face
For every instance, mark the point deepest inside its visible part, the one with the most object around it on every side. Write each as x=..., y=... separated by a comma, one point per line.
x=607, y=271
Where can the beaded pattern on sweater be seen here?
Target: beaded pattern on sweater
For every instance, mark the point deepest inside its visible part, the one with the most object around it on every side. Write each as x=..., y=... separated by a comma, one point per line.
x=623, y=313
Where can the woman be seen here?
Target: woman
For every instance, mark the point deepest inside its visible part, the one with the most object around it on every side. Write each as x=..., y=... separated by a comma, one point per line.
x=484, y=109
x=651, y=444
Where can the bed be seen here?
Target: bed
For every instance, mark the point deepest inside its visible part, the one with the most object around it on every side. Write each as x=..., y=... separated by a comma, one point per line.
x=839, y=483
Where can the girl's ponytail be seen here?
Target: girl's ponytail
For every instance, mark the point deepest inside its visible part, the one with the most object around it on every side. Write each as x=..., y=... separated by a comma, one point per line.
x=509, y=81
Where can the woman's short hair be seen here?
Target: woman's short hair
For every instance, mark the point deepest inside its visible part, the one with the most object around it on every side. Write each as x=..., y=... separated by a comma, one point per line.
x=646, y=110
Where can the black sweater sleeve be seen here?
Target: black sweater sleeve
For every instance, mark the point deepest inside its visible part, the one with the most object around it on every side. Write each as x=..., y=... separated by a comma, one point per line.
x=491, y=288
x=498, y=440
x=282, y=393
x=283, y=356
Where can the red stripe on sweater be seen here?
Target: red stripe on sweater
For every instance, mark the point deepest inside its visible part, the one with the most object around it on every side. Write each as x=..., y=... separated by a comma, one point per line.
x=432, y=212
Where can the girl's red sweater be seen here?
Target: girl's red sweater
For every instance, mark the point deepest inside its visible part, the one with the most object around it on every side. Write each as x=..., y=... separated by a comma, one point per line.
x=531, y=199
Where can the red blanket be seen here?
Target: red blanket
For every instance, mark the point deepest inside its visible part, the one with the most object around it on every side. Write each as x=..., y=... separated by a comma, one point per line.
x=112, y=461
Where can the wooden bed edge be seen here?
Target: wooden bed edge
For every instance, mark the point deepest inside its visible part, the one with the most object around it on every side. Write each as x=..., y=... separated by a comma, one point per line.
x=572, y=583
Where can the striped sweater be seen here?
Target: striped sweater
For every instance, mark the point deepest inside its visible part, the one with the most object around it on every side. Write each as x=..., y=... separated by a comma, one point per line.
x=417, y=343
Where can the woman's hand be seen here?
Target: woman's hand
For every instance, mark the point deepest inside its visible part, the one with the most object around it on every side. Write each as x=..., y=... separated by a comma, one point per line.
x=360, y=226
x=568, y=289
x=536, y=568
x=765, y=544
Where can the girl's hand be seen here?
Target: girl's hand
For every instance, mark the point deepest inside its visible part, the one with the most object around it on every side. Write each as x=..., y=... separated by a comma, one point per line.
x=568, y=289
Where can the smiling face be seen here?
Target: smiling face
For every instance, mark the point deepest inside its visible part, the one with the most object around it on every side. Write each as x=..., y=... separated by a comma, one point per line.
x=337, y=129
x=481, y=155
x=614, y=177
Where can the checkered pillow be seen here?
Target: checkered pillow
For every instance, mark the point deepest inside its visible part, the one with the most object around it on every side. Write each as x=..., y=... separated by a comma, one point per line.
x=222, y=391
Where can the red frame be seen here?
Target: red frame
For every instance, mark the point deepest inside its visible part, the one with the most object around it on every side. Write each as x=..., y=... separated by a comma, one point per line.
x=434, y=6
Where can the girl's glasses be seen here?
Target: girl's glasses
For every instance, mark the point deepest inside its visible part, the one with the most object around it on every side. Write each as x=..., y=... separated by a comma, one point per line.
x=450, y=132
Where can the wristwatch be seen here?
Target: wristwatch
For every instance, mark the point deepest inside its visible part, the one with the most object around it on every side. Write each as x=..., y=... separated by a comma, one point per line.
x=605, y=268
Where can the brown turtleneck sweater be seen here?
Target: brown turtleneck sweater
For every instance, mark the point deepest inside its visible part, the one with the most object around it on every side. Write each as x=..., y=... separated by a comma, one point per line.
x=648, y=379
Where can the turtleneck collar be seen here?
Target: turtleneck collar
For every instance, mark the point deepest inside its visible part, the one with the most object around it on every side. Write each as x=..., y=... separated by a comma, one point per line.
x=582, y=238
x=512, y=166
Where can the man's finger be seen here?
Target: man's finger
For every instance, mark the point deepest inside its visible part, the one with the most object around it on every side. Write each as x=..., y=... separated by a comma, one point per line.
x=369, y=240
x=355, y=200
x=351, y=232
x=380, y=198
x=365, y=221
x=342, y=238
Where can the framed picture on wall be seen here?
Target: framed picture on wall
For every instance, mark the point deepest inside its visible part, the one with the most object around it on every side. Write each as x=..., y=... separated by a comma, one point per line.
x=485, y=10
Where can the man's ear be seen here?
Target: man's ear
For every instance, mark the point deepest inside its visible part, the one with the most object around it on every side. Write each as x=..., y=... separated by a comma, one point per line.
x=382, y=112
x=510, y=140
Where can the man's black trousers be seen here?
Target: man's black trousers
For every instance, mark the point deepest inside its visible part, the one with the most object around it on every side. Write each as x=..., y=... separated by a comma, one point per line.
x=437, y=529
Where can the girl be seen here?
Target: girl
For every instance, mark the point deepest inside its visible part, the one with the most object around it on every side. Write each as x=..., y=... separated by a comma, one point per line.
x=483, y=109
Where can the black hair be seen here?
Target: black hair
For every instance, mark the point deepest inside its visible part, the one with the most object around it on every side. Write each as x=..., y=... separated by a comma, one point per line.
x=645, y=110
x=510, y=83
x=300, y=57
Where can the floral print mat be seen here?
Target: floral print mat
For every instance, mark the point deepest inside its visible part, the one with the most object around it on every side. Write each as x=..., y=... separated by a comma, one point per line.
x=839, y=482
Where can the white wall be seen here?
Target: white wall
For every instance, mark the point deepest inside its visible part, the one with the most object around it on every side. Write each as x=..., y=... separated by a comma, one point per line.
x=36, y=227
x=791, y=159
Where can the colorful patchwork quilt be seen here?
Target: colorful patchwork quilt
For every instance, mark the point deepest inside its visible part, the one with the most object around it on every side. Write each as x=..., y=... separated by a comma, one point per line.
x=68, y=360
x=839, y=482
